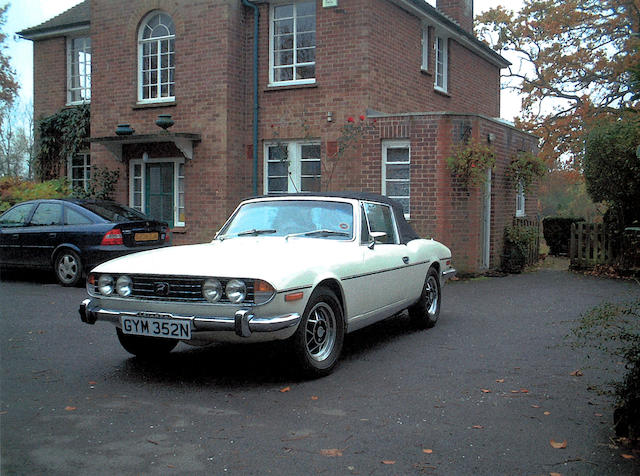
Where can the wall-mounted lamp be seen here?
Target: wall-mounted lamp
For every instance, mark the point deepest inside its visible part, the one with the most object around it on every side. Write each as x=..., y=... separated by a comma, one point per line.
x=329, y=116
x=145, y=157
x=491, y=137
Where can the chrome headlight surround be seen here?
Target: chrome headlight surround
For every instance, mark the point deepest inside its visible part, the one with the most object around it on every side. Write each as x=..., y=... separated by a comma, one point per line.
x=106, y=284
x=124, y=286
x=236, y=291
x=212, y=290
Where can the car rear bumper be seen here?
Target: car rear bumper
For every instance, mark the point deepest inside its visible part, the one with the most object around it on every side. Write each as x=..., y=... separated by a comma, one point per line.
x=244, y=323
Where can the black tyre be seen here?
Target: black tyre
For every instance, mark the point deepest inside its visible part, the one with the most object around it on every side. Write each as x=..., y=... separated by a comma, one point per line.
x=424, y=314
x=146, y=347
x=318, y=340
x=68, y=267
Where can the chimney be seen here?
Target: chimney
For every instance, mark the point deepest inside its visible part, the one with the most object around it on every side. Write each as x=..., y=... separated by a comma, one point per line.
x=459, y=10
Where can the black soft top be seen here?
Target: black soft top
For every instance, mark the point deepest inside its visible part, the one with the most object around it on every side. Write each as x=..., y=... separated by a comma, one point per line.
x=406, y=231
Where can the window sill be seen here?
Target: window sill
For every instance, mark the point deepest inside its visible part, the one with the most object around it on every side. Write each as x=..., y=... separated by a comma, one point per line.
x=426, y=72
x=151, y=105
x=178, y=230
x=441, y=92
x=277, y=87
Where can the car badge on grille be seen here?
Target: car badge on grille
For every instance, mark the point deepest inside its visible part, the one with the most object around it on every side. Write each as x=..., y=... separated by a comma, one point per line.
x=161, y=288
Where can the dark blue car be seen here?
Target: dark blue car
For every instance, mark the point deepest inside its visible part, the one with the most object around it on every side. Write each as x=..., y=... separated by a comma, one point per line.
x=72, y=236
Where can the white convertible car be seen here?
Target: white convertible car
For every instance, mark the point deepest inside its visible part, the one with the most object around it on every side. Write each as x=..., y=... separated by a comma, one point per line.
x=303, y=268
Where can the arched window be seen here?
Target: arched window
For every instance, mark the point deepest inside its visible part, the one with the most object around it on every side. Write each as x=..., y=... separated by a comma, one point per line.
x=156, y=51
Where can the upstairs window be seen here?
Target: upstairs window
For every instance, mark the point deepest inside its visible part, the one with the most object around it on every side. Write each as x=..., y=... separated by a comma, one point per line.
x=425, y=49
x=156, y=51
x=442, y=59
x=292, y=55
x=78, y=70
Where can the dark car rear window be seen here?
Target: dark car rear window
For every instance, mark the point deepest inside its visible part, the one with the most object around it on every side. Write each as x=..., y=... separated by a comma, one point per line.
x=113, y=211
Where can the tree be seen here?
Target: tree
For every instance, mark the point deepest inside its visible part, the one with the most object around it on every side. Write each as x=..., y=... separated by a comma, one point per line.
x=612, y=167
x=16, y=141
x=574, y=64
x=8, y=83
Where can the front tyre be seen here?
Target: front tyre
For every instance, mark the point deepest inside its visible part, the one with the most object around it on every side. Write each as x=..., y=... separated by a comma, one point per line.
x=318, y=340
x=145, y=347
x=424, y=314
x=68, y=267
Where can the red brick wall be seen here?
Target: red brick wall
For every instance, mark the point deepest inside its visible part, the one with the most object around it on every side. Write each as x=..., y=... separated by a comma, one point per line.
x=50, y=76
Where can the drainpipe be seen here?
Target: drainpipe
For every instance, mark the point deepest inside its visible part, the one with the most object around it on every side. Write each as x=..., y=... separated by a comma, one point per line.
x=256, y=105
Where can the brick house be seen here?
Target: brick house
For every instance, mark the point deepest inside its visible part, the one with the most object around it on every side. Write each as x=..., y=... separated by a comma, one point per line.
x=415, y=73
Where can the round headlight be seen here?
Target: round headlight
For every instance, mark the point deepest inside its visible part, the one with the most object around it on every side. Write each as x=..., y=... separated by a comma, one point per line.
x=236, y=291
x=124, y=286
x=212, y=290
x=105, y=284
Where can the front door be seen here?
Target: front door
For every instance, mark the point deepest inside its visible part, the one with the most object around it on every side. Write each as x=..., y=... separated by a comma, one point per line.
x=159, y=192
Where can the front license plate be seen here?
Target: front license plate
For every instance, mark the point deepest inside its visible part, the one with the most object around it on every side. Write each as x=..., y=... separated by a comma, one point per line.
x=156, y=327
x=152, y=236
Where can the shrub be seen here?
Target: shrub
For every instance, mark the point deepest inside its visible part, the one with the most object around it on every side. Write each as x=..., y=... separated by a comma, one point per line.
x=517, y=242
x=615, y=329
x=557, y=233
x=14, y=190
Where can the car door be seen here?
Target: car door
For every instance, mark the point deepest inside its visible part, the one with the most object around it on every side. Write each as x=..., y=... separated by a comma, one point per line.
x=12, y=225
x=42, y=235
x=378, y=290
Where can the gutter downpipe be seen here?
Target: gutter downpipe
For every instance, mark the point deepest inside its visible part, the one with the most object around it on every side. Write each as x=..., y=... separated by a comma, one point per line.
x=256, y=104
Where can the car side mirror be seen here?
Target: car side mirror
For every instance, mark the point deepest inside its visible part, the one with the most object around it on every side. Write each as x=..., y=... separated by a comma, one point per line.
x=375, y=237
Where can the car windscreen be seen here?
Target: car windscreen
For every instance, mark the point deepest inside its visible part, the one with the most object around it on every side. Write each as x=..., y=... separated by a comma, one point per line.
x=113, y=211
x=304, y=218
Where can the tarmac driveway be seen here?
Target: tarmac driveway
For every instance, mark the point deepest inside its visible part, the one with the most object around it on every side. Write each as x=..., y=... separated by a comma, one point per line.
x=484, y=392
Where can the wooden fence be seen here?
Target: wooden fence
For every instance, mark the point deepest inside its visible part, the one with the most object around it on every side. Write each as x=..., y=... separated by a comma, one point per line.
x=533, y=252
x=590, y=245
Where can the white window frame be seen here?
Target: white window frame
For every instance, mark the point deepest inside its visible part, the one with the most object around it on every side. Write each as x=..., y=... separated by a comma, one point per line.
x=520, y=201
x=295, y=64
x=170, y=68
x=294, y=157
x=441, y=63
x=86, y=168
x=425, y=48
x=396, y=144
x=83, y=89
x=178, y=186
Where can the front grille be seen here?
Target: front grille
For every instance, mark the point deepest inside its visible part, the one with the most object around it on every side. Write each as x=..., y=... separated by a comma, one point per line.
x=180, y=289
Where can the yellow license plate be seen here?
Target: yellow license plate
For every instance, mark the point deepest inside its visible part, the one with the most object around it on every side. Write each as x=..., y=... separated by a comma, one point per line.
x=146, y=236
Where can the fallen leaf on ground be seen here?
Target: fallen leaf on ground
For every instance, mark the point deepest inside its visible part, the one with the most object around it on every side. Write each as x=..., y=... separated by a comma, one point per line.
x=485, y=390
x=427, y=451
x=93, y=383
x=524, y=390
x=626, y=456
x=70, y=409
x=333, y=452
x=285, y=389
x=477, y=427
x=500, y=380
x=388, y=461
x=314, y=398
x=555, y=474
x=558, y=445
x=576, y=373
x=535, y=406
x=598, y=414
x=547, y=413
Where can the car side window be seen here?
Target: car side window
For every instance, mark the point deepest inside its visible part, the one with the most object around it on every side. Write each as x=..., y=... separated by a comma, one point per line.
x=72, y=217
x=47, y=214
x=17, y=216
x=380, y=219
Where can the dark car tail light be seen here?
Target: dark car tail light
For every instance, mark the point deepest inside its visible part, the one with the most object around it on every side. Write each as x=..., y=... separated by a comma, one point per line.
x=112, y=237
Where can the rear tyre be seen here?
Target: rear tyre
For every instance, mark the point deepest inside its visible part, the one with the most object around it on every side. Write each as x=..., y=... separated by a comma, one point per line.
x=146, y=347
x=318, y=340
x=424, y=314
x=68, y=267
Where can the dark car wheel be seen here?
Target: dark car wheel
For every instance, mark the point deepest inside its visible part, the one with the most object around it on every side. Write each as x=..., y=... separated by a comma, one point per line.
x=318, y=340
x=145, y=347
x=426, y=311
x=68, y=267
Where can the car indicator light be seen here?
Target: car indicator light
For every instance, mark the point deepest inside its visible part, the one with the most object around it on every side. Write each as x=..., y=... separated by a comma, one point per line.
x=294, y=296
x=112, y=237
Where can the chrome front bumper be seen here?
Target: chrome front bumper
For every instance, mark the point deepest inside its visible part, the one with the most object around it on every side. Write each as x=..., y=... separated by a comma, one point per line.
x=244, y=323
